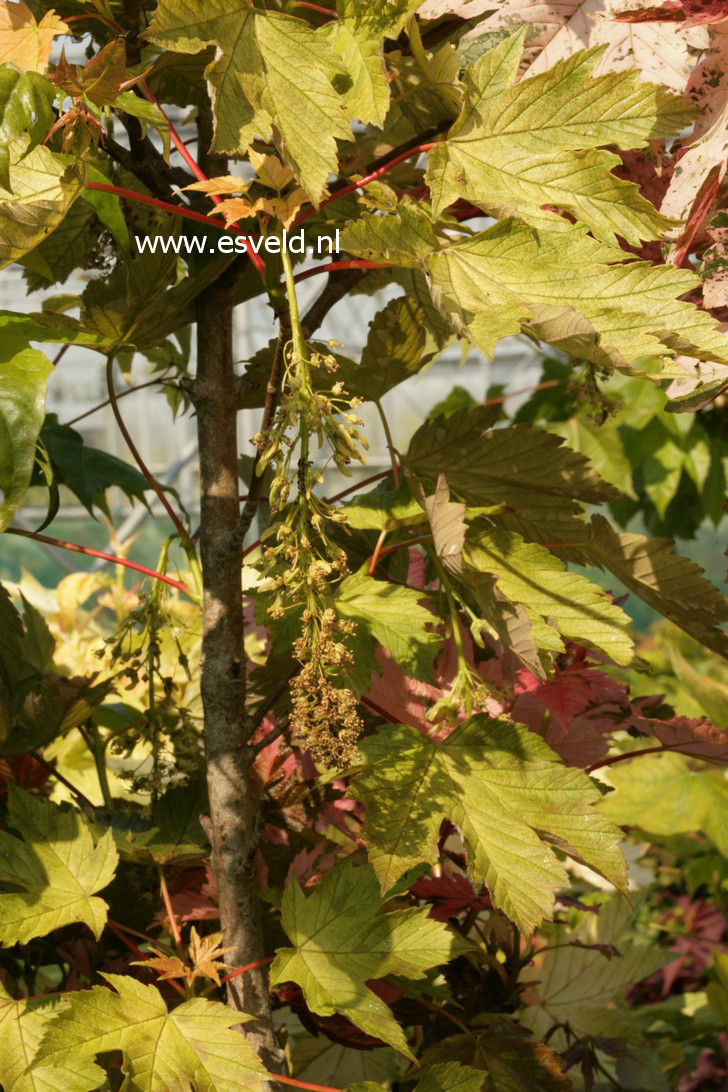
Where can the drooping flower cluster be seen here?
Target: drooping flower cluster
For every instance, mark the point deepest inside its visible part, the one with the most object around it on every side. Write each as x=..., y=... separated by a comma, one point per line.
x=300, y=561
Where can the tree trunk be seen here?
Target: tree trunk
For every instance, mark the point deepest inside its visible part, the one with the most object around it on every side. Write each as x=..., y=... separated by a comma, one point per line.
x=233, y=813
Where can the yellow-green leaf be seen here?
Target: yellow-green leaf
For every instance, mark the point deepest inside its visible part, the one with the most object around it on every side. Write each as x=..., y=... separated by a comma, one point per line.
x=578, y=987
x=192, y=1047
x=24, y=373
x=574, y=292
x=53, y=868
x=272, y=76
x=519, y=146
x=43, y=189
x=665, y=795
x=342, y=940
x=555, y=599
x=26, y=106
x=22, y=1025
x=395, y=617
x=509, y=794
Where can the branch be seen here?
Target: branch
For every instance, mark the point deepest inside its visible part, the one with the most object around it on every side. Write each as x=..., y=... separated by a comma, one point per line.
x=74, y=548
x=179, y=526
x=97, y=18
x=63, y=780
x=359, y=485
x=173, y=924
x=380, y=553
x=305, y=1084
x=334, y=291
x=107, y=401
x=157, y=175
x=624, y=756
x=282, y=725
x=315, y=7
x=239, y=971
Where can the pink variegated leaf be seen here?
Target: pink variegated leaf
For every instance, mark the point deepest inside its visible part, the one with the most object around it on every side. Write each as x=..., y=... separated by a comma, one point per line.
x=704, y=155
x=661, y=51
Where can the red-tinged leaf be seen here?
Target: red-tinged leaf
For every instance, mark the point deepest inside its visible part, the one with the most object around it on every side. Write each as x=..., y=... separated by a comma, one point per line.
x=652, y=173
x=691, y=13
x=416, y=569
x=26, y=773
x=567, y=694
x=690, y=736
x=404, y=699
x=702, y=204
x=575, y=711
x=450, y=894
x=309, y=865
x=194, y=897
x=701, y=12
x=270, y=764
x=586, y=740
x=670, y=12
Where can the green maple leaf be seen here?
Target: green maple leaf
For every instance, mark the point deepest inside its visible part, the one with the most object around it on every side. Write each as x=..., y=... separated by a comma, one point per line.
x=192, y=1047
x=572, y=291
x=554, y=282
x=578, y=986
x=518, y=466
x=502, y=1054
x=394, y=617
x=24, y=374
x=554, y=598
x=26, y=106
x=378, y=17
x=450, y=1077
x=342, y=940
x=405, y=239
x=272, y=72
x=88, y=471
x=43, y=190
x=519, y=146
x=54, y=868
x=357, y=36
x=175, y=835
x=672, y=585
x=510, y=796
x=383, y=509
x=394, y=350
x=22, y=1026
x=665, y=795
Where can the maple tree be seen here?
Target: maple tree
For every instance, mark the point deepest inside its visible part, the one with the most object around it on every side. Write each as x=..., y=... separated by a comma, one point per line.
x=355, y=791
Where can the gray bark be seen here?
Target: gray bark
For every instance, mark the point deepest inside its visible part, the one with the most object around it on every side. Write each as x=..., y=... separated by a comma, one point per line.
x=233, y=813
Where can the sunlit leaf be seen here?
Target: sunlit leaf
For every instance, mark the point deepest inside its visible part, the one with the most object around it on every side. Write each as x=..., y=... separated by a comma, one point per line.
x=342, y=940
x=508, y=794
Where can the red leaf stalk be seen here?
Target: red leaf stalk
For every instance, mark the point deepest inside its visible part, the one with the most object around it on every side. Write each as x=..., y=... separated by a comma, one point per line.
x=89, y=552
